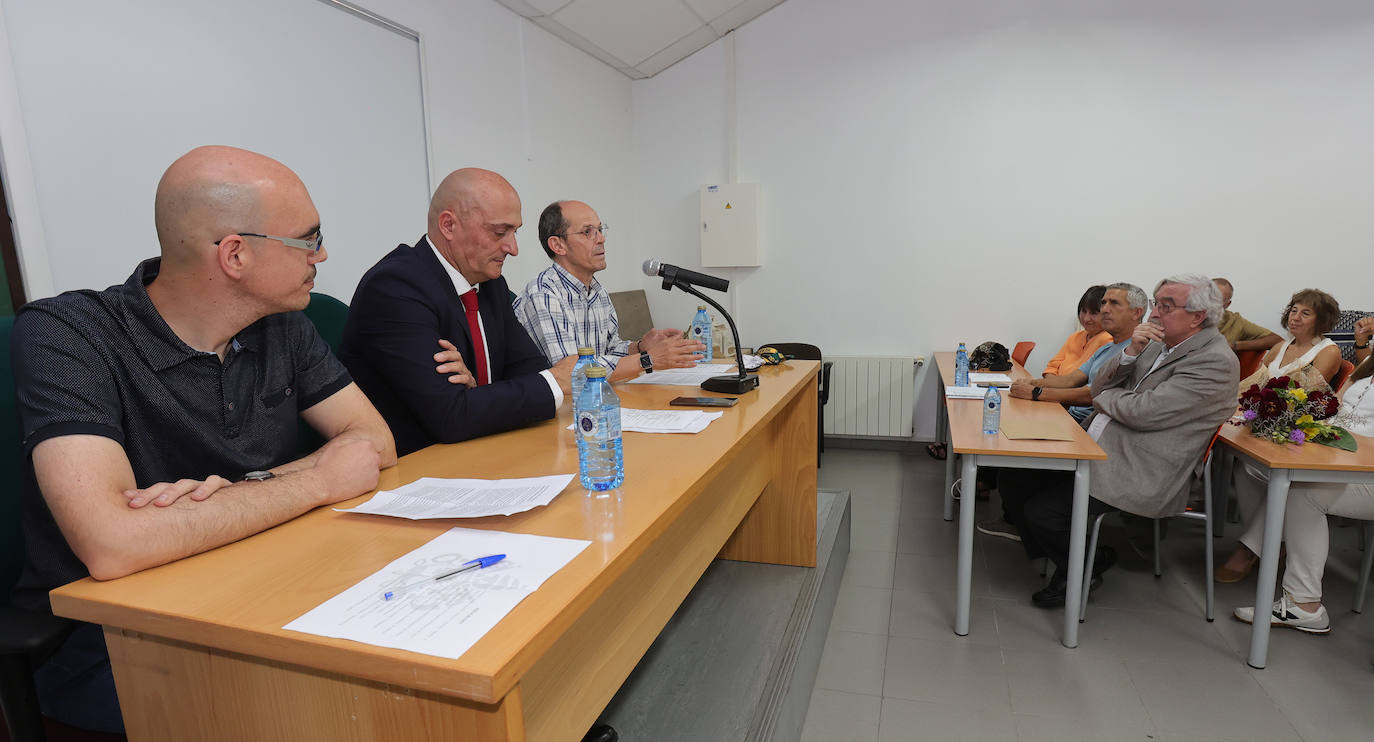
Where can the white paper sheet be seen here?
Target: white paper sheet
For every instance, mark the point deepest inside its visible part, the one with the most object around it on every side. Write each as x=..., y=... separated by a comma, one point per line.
x=965, y=392
x=664, y=421
x=975, y=377
x=430, y=497
x=446, y=618
x=685, y=376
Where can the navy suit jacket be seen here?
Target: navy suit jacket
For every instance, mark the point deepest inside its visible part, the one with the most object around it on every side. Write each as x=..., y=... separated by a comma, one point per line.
x=403, y=306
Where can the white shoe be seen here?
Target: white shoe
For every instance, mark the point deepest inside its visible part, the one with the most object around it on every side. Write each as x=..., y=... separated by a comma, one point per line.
x=1287, y=613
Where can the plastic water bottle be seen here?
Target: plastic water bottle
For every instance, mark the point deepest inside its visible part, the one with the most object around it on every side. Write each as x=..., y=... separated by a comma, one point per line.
x=585, y=358
x=961, y=366
x=701, y=332
x=600, y=457
x=992, y=411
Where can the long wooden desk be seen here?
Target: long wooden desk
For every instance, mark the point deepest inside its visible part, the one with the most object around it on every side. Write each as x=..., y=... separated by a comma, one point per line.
x=199, y=652
x=1287, y=464
x=964, y=431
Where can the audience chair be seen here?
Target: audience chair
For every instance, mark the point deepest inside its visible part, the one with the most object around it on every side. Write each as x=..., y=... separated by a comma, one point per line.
x=807, y=352
x=1344, y=332
x=26, y=639
x=1249, y=361
x=1205, y=516
x=1022, y=351
x=1342, y=374
x=329, y=316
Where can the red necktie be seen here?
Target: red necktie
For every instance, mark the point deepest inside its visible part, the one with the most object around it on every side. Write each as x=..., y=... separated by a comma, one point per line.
x=479, y=348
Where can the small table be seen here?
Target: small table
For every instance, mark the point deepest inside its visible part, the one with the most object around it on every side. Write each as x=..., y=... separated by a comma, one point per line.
x=964, y=431
x=1287, y=464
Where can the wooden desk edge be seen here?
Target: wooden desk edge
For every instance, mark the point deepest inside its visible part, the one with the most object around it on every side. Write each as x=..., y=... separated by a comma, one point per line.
x=395, y=666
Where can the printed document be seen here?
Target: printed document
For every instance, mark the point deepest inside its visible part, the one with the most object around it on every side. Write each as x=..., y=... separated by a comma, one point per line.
x=664, y=421
x=446, y=617
x=978, y=377
x=430, y=497
x=685, y=376
x=965, y=392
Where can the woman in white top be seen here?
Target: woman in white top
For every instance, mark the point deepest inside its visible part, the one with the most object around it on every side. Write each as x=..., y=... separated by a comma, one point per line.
x=1308, y=356
x=1305, y=529
x=1310, y=359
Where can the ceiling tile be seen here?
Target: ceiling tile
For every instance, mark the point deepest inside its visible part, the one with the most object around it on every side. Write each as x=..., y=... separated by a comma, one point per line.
x=741, y=14
x=557, y=29
x=709, y=10
x=631, y=30
x=679, y=50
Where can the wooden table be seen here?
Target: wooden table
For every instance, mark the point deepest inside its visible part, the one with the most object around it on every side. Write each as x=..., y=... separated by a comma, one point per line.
x=1287, y=464
x=964, y=431
x=199, y=653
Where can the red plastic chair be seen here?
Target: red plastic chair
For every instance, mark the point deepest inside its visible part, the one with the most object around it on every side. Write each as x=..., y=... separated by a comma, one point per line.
x=1342, y=374
x=1022, y=351
x=1249, y=361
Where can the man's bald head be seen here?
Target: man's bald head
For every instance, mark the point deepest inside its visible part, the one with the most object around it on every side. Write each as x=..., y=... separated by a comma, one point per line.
x=472, y=222
x=214, y=191
x=465, y=190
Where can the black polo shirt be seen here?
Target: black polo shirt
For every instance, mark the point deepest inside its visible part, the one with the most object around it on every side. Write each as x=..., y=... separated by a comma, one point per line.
x=105, y=363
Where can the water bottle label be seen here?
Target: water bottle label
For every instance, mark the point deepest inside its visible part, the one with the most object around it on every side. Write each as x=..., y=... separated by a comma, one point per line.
x=696, y=331
x=586, y=425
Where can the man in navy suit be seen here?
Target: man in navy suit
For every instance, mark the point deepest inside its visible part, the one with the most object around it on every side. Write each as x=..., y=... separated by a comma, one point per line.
x=446, y=294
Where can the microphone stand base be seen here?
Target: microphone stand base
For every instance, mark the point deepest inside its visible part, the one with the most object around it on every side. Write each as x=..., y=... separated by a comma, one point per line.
x=731, y=384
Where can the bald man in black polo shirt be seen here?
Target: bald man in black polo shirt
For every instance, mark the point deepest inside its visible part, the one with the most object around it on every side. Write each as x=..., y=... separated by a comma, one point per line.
x=159, y=416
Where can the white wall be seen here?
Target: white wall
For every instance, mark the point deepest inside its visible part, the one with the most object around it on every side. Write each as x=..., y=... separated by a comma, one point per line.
x=501, y=93
x=935, y=171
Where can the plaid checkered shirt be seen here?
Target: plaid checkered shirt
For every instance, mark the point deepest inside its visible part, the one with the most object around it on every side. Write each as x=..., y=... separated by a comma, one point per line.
x=561, y=314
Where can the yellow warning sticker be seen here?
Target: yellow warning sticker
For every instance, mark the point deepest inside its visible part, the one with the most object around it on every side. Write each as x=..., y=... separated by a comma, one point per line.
x=728, y=206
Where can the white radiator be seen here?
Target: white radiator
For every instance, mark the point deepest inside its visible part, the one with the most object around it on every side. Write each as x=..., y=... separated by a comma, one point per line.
x=871, y=396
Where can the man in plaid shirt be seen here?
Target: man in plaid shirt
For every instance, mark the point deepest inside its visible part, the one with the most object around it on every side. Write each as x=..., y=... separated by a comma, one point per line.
x=565, y=307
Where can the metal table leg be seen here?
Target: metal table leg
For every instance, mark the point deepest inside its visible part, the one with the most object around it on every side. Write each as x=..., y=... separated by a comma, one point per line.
x=1269, y=565
x=965, y=573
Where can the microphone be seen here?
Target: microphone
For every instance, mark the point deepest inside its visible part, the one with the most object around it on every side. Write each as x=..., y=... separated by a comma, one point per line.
x=673, y=274
x=742, y=381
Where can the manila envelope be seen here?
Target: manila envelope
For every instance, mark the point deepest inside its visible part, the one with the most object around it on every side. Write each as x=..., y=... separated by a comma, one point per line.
x=1055, y=429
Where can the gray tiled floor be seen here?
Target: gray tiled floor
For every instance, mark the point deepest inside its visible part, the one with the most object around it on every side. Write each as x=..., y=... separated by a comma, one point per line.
x=1148, y=667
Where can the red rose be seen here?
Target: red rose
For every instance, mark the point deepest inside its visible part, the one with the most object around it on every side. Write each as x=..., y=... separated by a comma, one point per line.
x=1270, y=408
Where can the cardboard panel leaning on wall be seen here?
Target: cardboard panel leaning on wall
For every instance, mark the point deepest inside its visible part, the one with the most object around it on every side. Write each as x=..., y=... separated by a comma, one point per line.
x=112, y=93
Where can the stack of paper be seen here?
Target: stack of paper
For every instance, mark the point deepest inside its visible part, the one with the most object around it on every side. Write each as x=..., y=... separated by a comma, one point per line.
x=965, y=392
x=664, y=421
x=685, y=376
x=979, y=377
x=430, y=497
x=446, y=618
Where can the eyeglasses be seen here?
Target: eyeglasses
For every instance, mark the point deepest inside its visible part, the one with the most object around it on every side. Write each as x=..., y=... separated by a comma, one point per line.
x=313, y=245
x=1166, y=307
x=586, y=231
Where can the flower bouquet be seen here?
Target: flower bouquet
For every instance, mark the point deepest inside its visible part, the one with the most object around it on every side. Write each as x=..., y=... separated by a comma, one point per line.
x=1284, y=412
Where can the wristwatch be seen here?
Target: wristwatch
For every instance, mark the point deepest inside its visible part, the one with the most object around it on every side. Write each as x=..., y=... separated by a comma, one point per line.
x=646, y=363
x=1362, y=347
x=258, y=476
x=1035, y=394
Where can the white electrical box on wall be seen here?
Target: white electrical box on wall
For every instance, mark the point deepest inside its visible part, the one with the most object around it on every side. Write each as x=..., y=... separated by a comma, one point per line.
x=730, y=225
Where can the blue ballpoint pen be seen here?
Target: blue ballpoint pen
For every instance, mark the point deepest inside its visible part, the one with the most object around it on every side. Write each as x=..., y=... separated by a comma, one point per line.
x=479, y=563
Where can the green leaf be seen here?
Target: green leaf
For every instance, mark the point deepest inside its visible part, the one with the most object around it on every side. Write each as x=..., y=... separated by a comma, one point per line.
x=1346, y=442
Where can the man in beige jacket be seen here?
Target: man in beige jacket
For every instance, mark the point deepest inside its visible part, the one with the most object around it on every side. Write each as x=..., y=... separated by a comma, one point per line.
x=1156, y=405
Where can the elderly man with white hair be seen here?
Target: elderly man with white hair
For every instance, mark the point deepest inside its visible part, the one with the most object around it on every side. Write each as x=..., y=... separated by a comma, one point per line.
x=1156, y=406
